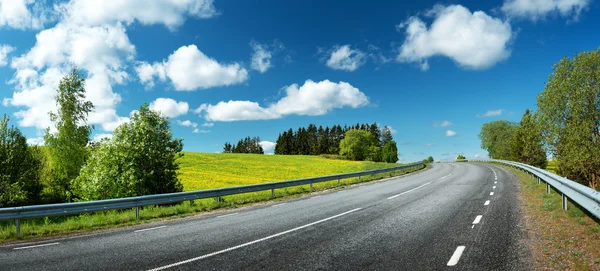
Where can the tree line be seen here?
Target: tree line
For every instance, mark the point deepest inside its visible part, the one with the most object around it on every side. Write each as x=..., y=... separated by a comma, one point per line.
x=139, y=159
x=245, y=145
x=566, y=124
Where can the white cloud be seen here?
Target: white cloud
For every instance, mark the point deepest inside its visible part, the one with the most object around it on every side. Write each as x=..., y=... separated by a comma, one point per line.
x=476, y=156
x=392, y=130
x=36, y=141
x=428, y=144
x=445, y=124
x=491, y=113
x=196, y=131
x=4, y=51
x=189, y=69
x=171, y=13
x=23, y=14
x=99, y=137
x=267, y=146
x=312, y=99
x=538, y=9
x=345, y=58
x=261, y=57
x=450, y=133
x=169, y=107
x=473, y=40
x=187, y=123
x=208, y=124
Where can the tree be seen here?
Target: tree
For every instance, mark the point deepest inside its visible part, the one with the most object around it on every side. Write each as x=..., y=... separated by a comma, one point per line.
x=356, y=144
x=227, y=148
x=386, y=135
x=19, y=168
x=527, y=143
x=68, y=144
x=390, y=152
x=569, y=115
x=461, y=157
x=430, y=159
x=496, y=138
x=140, y=159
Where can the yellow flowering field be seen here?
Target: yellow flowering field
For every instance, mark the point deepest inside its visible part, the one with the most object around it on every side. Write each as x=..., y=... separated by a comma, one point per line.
x=215, y=170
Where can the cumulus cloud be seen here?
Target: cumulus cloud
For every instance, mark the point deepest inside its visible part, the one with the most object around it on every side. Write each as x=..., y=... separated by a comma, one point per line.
x=312, y=98
x=445, y=124
x=539, y=9
x=4, y=51
x=23, y=14
x=346, y=58
x=491, y=113
x=267, y=146
x=169, y=107
x=261, y=57
x=450, y=133
x=35, y=141
x=208, y=124
x=473, y=40
x=187, y=123
x=189, y=69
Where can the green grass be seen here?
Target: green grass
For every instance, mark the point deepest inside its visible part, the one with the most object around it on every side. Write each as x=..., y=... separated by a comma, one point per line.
x=551, y=166
x=201, y=171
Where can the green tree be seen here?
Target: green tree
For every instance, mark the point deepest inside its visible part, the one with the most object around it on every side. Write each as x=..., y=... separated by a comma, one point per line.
x=19, y=168
x=68, y=144
x=356, y=144
x=496, y=137
x=569, y=114
x=461, y=157
x=386, y=135
x=527, y=143
x=390, y=152
x=140, y=159
x=227, y=148
x=430, y=159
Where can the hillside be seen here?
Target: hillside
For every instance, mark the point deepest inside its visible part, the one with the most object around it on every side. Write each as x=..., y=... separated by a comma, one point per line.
x=210, y=170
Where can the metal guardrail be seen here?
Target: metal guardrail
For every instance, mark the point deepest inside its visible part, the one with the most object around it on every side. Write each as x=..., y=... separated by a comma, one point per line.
x=586, y=197
x=35, y=211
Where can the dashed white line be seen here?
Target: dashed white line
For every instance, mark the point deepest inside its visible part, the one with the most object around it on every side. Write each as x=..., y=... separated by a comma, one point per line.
x=487, y=202
x=227, y=215
x=491, y=193
x=477, y=219
x=408, y=191
x=42, y=245
x=251, y=242
x=149, y=229
x=456, y=256
x=495, y=182
x=494, y=187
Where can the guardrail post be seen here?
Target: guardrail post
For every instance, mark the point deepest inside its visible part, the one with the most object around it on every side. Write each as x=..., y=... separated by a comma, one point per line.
x=565, y=200
x=547, y=188
x=539, y=180
x=339, y=181
x=272, y=192
x=18, y=224
x=218, y=200
x=358, y=178
x=137, y=212
x=311, y=189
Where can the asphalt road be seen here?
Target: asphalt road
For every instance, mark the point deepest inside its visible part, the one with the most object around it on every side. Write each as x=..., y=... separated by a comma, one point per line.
x=444, y=218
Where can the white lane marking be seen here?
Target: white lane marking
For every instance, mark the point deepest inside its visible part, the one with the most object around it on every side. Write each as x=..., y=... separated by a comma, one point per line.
x=446, y=176
x=494, y=187
x=279, y=204
x=227, y=215
x=149, y=229
x=491, y=193
x=487, y=202
x=42, y=245
x=472, y=227
x=495, y=182
x=408, y=191
x=477, y=219
x=251, y=242
x=456, y=256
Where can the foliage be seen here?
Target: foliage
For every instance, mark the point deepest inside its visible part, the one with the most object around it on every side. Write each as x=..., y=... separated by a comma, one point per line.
x=357, y=145
x=527, y=144
x=228, y=148
x=390, y=152
x=247, y=145
x=68, y=144
x=19, y=168
x=461, y=157
x=430, y=159
x=496, y=137
x=140, y=159
x=569, y=114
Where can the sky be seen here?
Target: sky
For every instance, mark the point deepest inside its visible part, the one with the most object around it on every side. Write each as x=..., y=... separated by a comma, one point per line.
x=434, y=71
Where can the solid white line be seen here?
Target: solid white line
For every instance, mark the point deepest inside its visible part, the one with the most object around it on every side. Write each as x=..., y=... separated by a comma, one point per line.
x=251, y=242
x=155, y=228
x=227, y=215
x=477, y=219
x=408, y=191
x=315, y=197
x=279, y=204
x=491, y=193
x=456, y=256
x=487, y=202
x=42, y=245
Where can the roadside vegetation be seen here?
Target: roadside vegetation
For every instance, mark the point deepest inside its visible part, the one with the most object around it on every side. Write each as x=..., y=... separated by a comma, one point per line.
x=559, y=240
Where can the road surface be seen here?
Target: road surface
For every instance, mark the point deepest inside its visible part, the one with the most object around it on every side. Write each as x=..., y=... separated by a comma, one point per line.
x=454, y=216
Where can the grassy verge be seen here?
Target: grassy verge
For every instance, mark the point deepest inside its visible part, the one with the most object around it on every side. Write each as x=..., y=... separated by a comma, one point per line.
x=560, y=240
x=52, y=226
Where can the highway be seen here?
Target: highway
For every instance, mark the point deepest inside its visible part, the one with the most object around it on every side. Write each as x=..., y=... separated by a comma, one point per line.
x=454, y=216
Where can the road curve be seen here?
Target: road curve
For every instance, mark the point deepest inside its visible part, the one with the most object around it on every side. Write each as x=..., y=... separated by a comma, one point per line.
x=456, y=216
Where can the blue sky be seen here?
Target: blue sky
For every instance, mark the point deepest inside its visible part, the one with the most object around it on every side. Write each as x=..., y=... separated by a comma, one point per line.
x=223, y=70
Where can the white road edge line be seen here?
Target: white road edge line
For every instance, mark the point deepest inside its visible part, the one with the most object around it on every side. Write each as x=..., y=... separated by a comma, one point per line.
x=251, y=242
x=394, y=196
x=227, y=215
x=149, y=229
x=456, y=256
x=42, y=245
x=491, y=193
x=279, y=204
x=477, y=219
x=315, y=197
x=487, y=202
